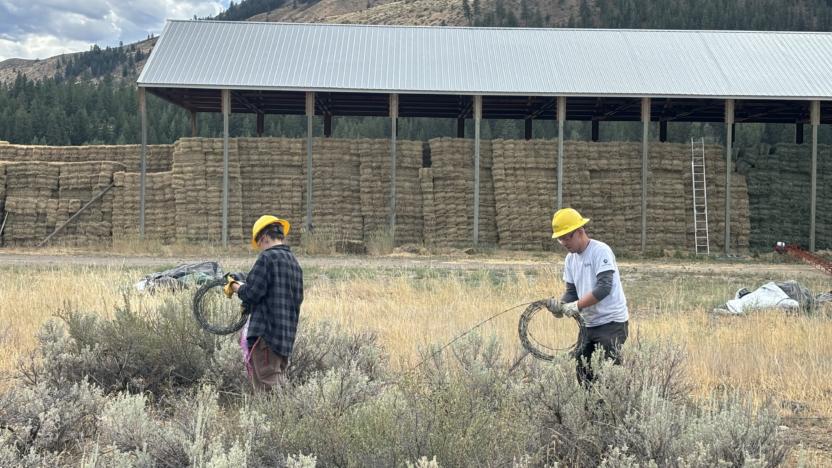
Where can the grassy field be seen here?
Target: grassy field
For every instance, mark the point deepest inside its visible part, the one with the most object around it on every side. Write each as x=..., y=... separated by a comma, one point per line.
x=769, y=356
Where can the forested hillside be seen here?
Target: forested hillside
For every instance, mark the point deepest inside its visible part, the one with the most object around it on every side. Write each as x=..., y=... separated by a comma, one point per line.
x=90, y=97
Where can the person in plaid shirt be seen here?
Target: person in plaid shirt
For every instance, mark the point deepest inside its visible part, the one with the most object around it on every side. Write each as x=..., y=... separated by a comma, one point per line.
x=273, y=292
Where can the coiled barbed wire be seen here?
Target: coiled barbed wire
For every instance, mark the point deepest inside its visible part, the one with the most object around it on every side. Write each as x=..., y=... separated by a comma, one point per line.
x=200, y=312
x=530, y=343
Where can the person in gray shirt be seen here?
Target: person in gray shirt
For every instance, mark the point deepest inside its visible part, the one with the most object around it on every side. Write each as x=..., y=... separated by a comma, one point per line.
x=593, y=292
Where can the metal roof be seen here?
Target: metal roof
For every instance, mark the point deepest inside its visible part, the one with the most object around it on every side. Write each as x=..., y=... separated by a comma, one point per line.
x=491, y=61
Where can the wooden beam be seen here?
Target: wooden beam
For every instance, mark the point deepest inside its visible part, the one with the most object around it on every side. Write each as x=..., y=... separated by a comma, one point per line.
x=327, y=124
x=729, y=139
x=261, y=123
x=245, y=102
x=550, y=104
x=193, y=124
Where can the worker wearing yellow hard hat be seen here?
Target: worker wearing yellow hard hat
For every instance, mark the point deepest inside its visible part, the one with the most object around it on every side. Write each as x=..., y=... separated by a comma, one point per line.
x=264, y=221
x=594, y=295
x=273, y=292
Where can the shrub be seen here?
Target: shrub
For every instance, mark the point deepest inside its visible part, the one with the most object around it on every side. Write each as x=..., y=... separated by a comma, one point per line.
x=154, y=390
x=44, y=418
x=154, y=351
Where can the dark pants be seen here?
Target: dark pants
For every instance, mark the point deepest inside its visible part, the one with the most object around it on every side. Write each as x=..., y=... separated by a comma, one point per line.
x=609, y=337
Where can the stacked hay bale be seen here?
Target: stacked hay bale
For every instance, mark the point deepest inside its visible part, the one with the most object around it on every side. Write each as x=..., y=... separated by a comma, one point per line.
x=428, y=205
x=336, y=190
x=715, y=178
x=525, y=183
x=31, y=201
x=669, y=211
x=78, y=183
x=525, y=191
x=159, y=157
x=160, y=207
x=16, y=153
x=779, y=186
x=374, y=157
x=612, y=196
x=603, y=181
x=198, y=189
x=449, y=188
x=272, y=178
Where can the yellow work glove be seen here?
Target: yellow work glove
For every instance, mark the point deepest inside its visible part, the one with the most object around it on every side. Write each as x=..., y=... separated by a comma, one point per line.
x=228, y=289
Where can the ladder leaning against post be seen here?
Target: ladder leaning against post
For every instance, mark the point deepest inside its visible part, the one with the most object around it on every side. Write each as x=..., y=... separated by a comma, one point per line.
x=700, y=197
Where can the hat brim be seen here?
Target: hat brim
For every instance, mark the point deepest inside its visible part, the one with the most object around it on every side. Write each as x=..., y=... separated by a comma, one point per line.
x=564, y=232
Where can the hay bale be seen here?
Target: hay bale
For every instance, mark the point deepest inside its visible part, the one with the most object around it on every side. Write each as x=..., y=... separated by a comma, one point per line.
x=198, y=189
x=31, y=201
x=159, y=157
x=779, y=189
x=603, y=181
x=452, y=189
x=336, y=190
x=272, y=180
x=78, y=183
x=160, y=207
x=374, y=158
x=525, y=191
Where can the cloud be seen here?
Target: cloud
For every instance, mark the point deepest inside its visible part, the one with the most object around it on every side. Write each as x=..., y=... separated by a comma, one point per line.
x=43, y=28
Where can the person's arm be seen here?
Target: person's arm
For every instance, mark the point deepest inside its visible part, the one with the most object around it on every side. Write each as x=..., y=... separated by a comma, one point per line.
x=571, y=293
x=257, y=282
x=602, y=289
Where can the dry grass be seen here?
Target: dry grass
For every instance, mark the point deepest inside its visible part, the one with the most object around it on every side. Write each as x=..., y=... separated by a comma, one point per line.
x=768, y=355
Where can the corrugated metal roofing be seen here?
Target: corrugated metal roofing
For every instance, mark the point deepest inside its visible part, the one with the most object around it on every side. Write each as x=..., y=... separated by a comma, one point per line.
x=491, y=61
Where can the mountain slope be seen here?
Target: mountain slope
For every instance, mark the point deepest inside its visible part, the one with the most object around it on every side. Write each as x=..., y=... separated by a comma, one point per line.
x=123, y=62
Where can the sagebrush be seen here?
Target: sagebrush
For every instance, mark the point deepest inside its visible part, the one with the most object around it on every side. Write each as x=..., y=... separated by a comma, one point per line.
x=151, y=389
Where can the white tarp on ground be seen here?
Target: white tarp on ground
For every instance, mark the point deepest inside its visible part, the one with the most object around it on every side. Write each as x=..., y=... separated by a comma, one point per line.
x=767, y=296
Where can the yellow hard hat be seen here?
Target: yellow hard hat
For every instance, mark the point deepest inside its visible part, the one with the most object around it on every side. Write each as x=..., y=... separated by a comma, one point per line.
x=565, y=221
x=267, y=220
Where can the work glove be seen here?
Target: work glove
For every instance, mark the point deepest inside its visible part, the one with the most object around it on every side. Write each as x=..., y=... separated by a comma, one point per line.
x=554, y=307
x=231, y=279
x=570, y=309
x=237, y=276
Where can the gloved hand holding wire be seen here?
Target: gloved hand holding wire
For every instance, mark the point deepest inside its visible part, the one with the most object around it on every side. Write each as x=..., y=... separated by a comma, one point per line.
x=562, y=309
x=554, y=307
x=232, y=279
x=570, y=309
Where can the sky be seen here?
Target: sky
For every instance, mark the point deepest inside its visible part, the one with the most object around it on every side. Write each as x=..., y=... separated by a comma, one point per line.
x=43, y=28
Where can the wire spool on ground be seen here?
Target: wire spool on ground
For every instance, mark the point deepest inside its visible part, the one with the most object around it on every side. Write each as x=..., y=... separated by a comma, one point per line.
x=534, y=347
x=216, y=313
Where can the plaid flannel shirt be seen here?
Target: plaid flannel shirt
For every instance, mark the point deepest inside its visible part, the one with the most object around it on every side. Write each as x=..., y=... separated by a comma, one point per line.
x=273, y=291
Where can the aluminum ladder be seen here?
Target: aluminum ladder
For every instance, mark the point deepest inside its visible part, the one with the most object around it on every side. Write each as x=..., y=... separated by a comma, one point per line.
x=700, y=197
